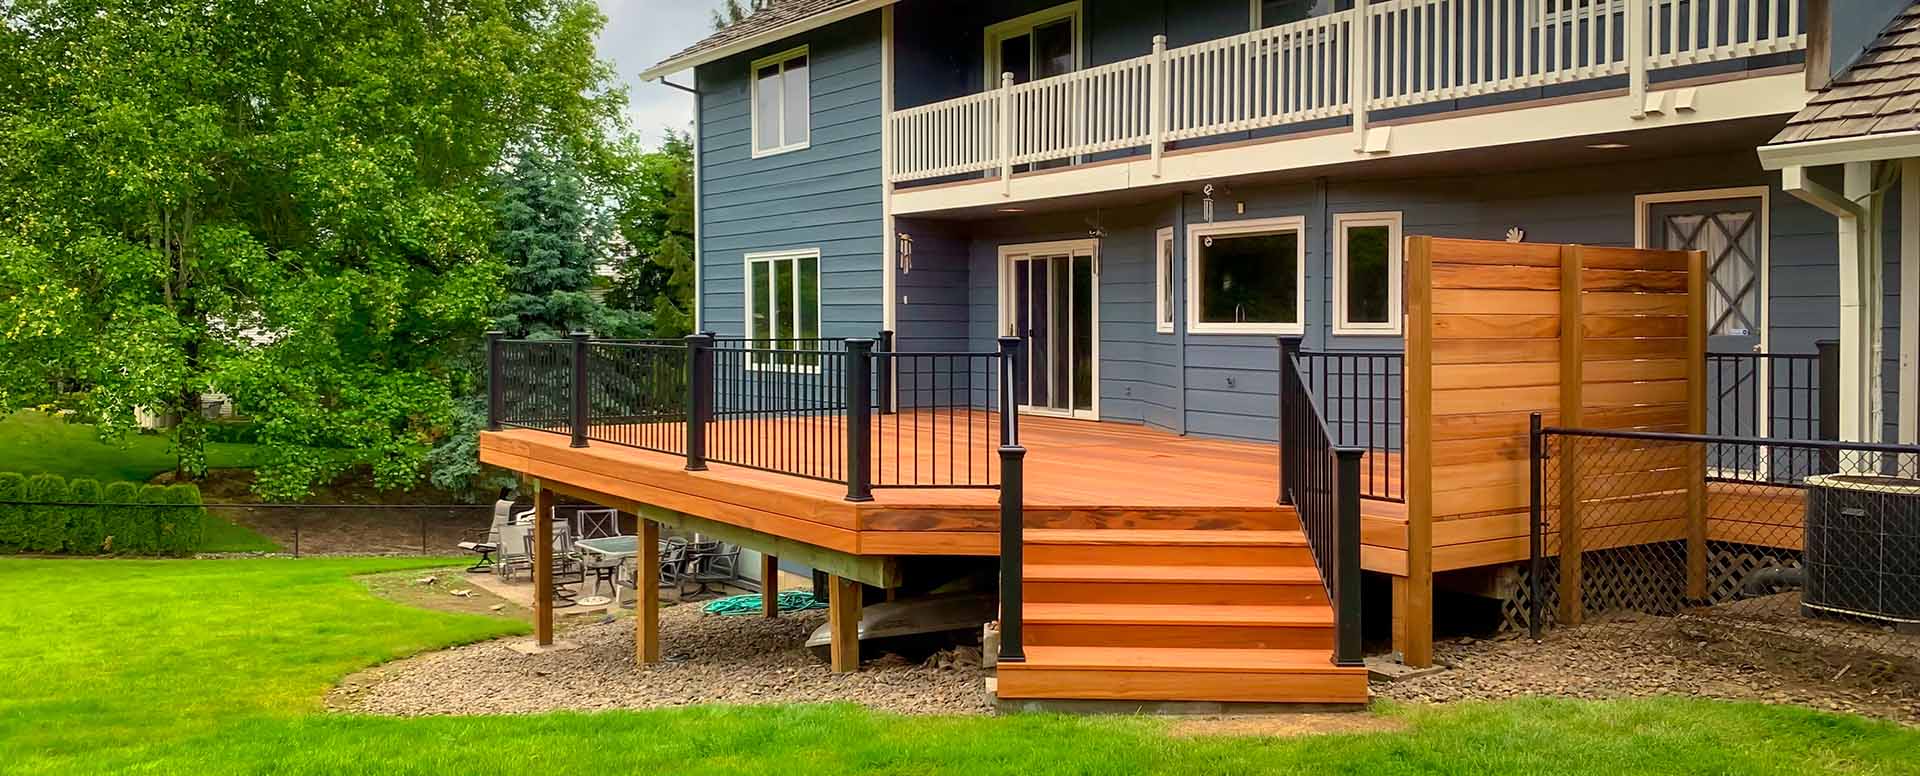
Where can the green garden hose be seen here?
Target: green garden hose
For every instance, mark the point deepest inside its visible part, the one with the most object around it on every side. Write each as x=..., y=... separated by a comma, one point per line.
x=790, y=601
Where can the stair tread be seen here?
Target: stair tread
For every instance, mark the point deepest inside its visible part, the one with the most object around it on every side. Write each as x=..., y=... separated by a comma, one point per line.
x=1149, y=536
x=1270, y=661
x=1180, y=614
x=1078, y=572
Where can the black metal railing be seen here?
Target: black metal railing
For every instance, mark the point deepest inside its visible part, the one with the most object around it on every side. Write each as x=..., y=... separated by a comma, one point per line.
x=1013, y=529
x=1784, y=396
x=1321, y=479
x=1361, y=394
x=795, y=407
x=1636, y=545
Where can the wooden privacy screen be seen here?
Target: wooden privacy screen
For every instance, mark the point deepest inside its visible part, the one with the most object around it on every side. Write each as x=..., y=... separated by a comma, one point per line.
x=1603, y=338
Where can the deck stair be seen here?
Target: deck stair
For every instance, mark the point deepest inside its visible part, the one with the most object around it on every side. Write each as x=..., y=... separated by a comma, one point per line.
x=1232, y=615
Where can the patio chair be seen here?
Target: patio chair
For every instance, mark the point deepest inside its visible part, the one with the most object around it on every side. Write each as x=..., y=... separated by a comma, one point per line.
x=597, y=523
x=673, y=562
x=711, y=564
x=567, y=568
x=515, y=551
x=486, y=541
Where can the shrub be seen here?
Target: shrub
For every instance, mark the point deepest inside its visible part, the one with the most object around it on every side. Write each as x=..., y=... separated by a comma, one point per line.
x=181, y=522
x=127, y=529
x=86, y=533
x=46, y=518
x=13, y=514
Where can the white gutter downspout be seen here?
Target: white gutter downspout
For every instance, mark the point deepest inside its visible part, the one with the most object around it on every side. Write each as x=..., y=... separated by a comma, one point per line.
x=1909, y=393
x=1859, y=297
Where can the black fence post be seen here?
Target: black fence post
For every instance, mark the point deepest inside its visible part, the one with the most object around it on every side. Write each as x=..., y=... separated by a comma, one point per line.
x=1012, y=550
x=496, y=382
x=699, y=398
x=1289, y=347
x=883, y=373
x=859, y=382
x=577, y=404
x=1829, y=354
x=1009, y=383
x=1347, y=619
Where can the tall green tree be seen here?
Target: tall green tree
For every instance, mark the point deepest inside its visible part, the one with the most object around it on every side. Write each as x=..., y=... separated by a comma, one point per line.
x=732, y=12
x=553, y=244
x=655, y=222
x=288, y=202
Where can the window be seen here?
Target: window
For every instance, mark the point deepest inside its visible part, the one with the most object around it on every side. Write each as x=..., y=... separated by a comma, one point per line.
x=1247, y=277
x=783, y=305
x=1273, y=13
x=1163, y=280
x=1038, y=45
x=1366, y=273
x=782, y=103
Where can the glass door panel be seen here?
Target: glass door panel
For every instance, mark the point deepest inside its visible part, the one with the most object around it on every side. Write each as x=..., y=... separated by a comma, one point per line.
x=1052, y=309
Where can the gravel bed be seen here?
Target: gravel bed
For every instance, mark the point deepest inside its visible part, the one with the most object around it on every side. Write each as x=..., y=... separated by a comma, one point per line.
x=1669, y=657
x=710, y=659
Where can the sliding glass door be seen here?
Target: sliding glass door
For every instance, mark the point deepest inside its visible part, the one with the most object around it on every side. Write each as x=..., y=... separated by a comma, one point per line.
x=1050, y=300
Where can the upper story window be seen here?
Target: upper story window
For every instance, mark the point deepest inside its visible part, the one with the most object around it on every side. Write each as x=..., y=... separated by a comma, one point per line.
x=1366, y=273
x=782, y=102
x=1039, y=45
x=783, y=305
x=1273, y=13
x=1247, y=277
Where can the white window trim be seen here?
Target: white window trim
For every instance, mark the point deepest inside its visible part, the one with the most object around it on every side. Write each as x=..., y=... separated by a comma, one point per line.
x=1163, y=318
x=746, y=281
x=997, y=31
x=1198, y=232
x=1395, y=277
x=1004, y=318
x=753, y=101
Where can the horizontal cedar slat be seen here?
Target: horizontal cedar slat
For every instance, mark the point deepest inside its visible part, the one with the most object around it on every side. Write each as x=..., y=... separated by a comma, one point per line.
x=1491, y=252
x=1633, y=326
x=1448, y=452
x=1494, y=351
x=1633, y=258
x=1467, y=401
x=1612, y=303
x=1638, y=394
x=1469, y=300
x=1506, y=278
x=1633, y=371
x=1647, y=281
x=1495, y=326
x=1603, y=348
x=1447, y=376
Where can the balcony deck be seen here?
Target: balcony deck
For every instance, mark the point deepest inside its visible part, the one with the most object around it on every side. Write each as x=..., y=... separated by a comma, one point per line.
x=1079, y=474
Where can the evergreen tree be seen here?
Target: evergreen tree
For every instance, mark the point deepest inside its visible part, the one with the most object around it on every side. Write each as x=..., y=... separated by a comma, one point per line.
x=656, y=226
x=552, y=245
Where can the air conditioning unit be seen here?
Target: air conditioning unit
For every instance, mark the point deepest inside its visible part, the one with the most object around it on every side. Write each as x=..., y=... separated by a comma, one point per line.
x=1863, y=548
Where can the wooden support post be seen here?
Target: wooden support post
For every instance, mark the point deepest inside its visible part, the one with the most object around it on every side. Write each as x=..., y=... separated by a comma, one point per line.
x=1572, y=402
x=1413, y=593
x=646, y=600
x=843, y=623
x=769, y=585
x=1697, y=424
x=542, y=565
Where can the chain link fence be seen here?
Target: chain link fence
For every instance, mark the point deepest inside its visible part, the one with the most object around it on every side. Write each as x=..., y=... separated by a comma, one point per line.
x=1778, y=555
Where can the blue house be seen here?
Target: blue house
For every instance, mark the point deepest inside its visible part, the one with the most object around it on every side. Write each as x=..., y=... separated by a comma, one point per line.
x=1144, y=198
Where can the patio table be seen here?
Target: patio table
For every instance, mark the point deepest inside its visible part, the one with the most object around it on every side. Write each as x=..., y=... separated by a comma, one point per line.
x=610, y=546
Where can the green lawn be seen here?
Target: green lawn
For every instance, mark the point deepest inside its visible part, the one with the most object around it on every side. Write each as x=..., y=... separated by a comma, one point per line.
x=214, y=667
x=38, y=443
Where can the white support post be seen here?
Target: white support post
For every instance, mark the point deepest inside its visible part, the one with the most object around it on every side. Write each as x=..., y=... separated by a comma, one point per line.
x=1157, y=96
x=1006, y=134
x=1859, y=308
x=1637, y=40
x=1360, y=73
x=1909, y=393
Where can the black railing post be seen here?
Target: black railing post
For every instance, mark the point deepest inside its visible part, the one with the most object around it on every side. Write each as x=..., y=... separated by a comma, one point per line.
x=496, y=381
x=1829, y=354
x=1008, y=383
x=699, y=403
x=1347, y=618
x=1289, y=347
x=1012, y=550
x=859, y=382
x=1536, y=522
x=577, y=405
x=883, y=373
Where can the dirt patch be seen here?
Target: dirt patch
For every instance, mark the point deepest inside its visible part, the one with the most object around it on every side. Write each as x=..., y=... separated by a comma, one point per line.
x=348, y=516
x=445, y=590
x=1706, y=656
x=710, y=659
x=1289, y=725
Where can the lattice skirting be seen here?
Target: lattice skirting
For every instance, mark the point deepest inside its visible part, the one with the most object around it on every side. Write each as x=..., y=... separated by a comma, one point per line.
x=1647, y=578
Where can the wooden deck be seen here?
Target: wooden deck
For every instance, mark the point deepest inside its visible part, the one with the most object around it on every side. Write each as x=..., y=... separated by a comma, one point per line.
x=1079, y=474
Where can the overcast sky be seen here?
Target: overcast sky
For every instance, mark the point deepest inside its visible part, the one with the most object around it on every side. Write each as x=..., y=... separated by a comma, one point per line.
x=639, y=34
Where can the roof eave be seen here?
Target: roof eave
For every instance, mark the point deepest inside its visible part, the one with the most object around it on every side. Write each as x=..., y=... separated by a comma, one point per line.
x=795, y=27
x=1840, y=150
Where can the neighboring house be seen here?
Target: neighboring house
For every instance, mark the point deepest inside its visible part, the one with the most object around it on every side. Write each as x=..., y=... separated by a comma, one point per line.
x=1146, y=195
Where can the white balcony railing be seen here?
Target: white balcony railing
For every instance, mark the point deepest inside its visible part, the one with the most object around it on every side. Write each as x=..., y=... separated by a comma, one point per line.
x=1382, y=55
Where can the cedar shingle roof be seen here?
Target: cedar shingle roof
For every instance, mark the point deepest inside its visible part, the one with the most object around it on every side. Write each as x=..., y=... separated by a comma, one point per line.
x=1878, y=94
x=778, y=14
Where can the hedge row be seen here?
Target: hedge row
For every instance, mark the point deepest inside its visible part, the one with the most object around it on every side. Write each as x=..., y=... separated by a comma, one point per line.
x=47, y=514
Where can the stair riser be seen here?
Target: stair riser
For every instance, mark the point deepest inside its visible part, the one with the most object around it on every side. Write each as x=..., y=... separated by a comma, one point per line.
x=1033, y=682
x=1182, y=520
x=1201, y=636
x=1089, y=592
x=1144, y=554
